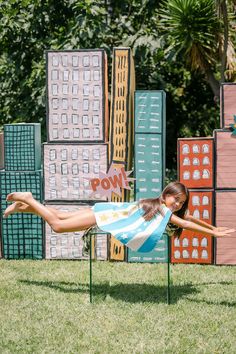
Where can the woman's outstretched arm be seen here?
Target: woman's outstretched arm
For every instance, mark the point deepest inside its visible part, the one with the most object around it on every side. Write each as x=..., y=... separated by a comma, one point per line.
x=193, y=226
x=204, y=224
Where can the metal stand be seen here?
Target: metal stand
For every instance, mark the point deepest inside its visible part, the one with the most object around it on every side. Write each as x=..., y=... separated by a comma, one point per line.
x=90, y=270
x=168, y=270
x=94, y=232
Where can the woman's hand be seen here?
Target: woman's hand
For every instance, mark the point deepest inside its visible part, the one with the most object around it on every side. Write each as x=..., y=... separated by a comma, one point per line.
x=219, y=229
x=222, y=231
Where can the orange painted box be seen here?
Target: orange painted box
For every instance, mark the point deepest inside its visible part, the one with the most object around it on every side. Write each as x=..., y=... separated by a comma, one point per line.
x=196, y=162
x=194, y=247
x=121, y=126
x=116, y=250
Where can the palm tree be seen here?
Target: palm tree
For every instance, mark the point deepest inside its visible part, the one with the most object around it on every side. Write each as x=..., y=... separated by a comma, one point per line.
x=196, y=31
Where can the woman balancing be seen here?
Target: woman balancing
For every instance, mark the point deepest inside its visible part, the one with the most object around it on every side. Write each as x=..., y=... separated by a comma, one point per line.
x=138, y=225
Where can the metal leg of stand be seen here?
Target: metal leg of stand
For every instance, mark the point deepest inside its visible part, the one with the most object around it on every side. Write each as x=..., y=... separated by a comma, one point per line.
x=168, y=269
x=90, y=269
x=91, y=234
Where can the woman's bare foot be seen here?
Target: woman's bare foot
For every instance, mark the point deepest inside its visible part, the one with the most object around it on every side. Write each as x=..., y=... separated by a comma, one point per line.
x=19, y=196
x=17, y=207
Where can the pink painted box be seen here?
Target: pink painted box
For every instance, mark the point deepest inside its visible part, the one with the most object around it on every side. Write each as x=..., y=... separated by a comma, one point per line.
x=227, y=104
x=70, y=245
x=77, y=95
x=226, y=216
x=68, y=169
x=225, y=167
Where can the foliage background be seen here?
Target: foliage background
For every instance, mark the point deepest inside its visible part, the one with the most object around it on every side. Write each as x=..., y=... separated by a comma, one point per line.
x=29, y=27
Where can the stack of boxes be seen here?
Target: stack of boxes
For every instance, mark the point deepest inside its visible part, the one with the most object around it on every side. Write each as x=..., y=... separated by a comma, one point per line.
x=225, y=177
x=196, y=172
x=206, y=166
x=77, y=150
x=149, y=159
x=22, y=234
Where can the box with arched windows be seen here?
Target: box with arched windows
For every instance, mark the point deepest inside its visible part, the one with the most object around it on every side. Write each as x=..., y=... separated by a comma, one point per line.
x=195, y=247
x=196, y=162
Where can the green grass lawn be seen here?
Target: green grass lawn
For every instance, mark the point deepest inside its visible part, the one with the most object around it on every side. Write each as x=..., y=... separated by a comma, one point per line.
x=45, y=308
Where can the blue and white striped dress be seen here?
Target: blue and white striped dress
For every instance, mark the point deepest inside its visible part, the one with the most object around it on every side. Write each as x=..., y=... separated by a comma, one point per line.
x=126, y=223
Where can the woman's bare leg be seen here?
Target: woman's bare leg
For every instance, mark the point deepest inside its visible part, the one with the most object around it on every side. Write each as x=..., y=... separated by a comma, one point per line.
x=65, y=214
x=17, y=207
x=81, y=220
x=20, y=207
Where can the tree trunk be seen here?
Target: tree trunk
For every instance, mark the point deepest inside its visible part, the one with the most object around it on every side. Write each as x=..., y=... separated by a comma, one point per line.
x=214, y=84
x=224, y=11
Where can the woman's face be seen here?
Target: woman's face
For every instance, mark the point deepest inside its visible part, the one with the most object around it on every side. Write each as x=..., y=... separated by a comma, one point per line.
x=174, y=202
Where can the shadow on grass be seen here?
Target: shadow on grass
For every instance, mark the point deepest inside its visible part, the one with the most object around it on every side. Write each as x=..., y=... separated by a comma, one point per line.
x=133, y=293
x=223, y=303
x=215, y=303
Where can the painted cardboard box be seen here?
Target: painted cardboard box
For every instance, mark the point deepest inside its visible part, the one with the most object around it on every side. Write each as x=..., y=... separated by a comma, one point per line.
x=68, y=169
x=227, y=104
x=158, y=255
x=150, y=111
x=225, y=150
x=77, y=96
x=22, y=147
x=194, y=247
x=116, y=249
x=121, y=112
x=225, y=250
x=149, y=165
x=1, y=151
x=72, y=245
x=196, y=162
x=22, y=234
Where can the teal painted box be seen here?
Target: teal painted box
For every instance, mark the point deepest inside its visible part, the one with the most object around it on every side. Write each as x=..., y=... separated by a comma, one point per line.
x=149, y=165
x=150, y=111
x=22, y=147
x=22, y=234
x=158, y=255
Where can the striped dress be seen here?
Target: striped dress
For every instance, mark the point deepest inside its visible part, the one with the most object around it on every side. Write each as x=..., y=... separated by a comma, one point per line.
x=126, y=223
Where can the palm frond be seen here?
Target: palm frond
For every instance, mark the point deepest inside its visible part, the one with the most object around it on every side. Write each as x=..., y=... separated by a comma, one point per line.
x=193, y=27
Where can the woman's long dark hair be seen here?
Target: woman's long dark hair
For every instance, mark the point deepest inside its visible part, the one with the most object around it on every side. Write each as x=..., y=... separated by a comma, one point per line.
x=152, y=206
